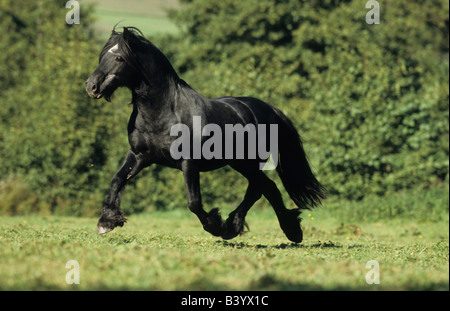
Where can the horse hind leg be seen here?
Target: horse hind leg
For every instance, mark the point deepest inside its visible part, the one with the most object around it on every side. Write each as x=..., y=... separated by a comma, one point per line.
x=289, y=219
x=260, y=184
x=235, y=223
x=290, y=224
x=213, y=222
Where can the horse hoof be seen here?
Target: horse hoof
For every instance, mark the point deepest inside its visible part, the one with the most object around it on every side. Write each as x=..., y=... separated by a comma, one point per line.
x=295, y=238
x=233, y=227
x=103, y=230
x=290, y=224
x=214, y=223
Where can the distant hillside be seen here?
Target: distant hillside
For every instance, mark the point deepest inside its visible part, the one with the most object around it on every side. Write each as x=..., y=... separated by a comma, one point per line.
x=149, y=16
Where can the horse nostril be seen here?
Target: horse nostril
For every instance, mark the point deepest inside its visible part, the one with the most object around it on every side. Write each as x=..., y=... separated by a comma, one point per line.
x=91, y=87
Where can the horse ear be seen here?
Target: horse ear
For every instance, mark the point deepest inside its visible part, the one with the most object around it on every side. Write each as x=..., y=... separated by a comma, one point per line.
x=115, y=26
x=126, y=34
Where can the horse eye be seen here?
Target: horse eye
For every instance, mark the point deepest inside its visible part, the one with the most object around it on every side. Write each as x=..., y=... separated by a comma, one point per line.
x=119, y=58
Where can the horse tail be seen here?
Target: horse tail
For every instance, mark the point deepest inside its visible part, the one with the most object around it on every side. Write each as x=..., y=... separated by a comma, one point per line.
x=293, y=167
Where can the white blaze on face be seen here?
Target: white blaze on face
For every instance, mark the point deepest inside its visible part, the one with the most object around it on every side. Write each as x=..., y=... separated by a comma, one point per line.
x=114, y=49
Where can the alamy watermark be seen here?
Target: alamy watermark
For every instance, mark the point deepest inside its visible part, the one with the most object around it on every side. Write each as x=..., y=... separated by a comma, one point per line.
x=373, y=276
x=73, y=276
x=212, y=147
x=373, y=16
x=73, y=16
x=221, y=146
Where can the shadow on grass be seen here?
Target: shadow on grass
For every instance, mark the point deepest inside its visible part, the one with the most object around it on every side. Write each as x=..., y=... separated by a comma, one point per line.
x=319, y=244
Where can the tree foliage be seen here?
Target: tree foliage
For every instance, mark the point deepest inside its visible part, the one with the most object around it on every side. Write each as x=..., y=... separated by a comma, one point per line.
x=51, y=134
x=370, y=101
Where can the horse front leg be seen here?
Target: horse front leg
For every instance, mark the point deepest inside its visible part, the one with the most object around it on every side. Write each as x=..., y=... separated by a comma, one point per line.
x=112, y=215
x=212, y=222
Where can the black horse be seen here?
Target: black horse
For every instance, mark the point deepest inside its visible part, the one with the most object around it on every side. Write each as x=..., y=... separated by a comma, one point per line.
x=161, y=101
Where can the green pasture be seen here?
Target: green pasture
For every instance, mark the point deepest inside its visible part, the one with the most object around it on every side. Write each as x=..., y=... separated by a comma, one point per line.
x=170, y=251
x=370, y=101
x=151, y=17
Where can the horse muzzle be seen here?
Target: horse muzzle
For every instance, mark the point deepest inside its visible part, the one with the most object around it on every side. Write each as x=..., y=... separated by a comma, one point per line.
x=92, y=89
x=96, y=88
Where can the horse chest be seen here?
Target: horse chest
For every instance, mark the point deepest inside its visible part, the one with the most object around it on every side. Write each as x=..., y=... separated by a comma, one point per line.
x=147, y=137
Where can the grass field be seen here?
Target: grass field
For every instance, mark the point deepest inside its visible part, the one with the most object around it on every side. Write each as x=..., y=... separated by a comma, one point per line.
x=170, y=251
x=149, y=16
x=408, y=235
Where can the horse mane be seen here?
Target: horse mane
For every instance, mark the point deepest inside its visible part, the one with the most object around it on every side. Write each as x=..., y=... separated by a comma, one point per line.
x=141, y=54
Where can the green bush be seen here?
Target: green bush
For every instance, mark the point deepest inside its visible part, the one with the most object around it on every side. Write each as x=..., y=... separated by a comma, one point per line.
x=426, y=205
x=371, y=101
x=53, y=137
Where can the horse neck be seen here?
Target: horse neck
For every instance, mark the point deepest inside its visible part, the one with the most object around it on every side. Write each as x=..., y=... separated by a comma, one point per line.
x=153, y=100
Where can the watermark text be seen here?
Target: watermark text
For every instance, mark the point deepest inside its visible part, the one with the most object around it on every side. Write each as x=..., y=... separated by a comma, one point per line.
x=373, y=16
x=73, y=276
x=228, y=145
x=73, y=16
